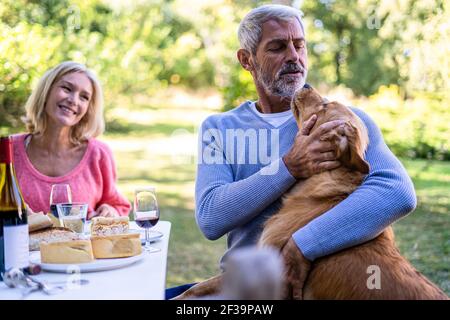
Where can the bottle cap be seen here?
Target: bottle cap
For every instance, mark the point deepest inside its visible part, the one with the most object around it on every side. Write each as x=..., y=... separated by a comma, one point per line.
x=5, y=150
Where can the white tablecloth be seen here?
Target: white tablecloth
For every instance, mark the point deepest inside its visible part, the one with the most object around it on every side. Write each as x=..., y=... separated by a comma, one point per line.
x=145, y=279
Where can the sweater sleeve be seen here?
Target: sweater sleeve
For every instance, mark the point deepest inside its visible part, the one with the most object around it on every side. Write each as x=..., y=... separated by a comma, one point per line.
x=223, y=204
x=110, y=194
x=386, y=195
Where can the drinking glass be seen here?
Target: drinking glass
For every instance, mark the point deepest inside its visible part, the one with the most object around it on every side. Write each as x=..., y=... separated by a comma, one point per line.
x=146, y=212
x=73, y=216
x=60, y=194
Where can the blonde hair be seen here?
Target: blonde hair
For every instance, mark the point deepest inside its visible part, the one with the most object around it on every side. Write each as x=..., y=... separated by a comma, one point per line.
x=90, y=126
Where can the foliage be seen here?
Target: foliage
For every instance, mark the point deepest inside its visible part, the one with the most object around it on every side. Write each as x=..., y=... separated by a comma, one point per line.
x=359, y=46
x=137, y=47
x=142, y=47
x=415, y=128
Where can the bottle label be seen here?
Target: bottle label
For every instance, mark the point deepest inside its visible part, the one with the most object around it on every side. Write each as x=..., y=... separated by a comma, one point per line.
x=16, y=246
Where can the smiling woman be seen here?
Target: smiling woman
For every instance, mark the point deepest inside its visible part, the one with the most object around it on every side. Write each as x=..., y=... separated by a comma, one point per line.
x=64, y=116
x=75, y=87
x=62, y=108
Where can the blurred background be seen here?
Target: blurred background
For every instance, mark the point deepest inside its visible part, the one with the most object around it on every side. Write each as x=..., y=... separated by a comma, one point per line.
x=166, y=65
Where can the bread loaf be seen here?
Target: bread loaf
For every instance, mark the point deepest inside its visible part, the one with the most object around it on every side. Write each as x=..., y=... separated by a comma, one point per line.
x=50, y=235
x=116, y=246
x=38, y=221
x=106, y=226
x=67, y=252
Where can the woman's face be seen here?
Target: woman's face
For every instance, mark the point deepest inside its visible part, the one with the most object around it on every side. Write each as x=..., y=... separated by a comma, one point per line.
x=68, y=100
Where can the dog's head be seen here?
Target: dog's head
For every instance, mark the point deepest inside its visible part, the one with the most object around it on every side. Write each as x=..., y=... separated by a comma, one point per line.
x=350, y=140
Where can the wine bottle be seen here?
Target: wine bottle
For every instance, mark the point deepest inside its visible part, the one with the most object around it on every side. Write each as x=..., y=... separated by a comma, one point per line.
x=14, y=252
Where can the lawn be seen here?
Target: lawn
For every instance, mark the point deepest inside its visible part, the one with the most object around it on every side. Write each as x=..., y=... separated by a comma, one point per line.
x=154, y=142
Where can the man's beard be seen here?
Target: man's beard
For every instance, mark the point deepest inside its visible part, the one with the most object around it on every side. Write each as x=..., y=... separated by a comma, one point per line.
x=281, y=86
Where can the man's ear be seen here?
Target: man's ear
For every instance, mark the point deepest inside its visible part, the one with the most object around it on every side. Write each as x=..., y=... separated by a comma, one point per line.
x=244, y=58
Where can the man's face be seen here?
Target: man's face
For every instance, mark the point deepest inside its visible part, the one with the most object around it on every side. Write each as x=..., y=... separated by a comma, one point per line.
x=281, y=58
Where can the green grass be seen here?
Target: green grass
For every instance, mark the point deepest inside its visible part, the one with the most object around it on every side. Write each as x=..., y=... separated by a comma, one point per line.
x=424, y=236
x=156, y=146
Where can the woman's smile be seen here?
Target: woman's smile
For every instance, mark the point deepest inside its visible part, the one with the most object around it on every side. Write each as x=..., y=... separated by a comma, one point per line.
x=67, y=110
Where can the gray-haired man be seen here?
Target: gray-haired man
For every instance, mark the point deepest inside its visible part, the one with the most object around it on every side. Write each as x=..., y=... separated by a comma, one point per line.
x=236, y=197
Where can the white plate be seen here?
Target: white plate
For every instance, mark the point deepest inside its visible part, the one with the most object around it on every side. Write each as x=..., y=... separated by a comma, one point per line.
x=154, y=235
x=96, y=265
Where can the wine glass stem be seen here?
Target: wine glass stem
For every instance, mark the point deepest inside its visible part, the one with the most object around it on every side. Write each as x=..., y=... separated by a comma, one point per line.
x=147, y=238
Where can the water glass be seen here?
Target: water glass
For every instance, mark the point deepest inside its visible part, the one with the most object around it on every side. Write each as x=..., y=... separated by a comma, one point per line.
x=73, y=216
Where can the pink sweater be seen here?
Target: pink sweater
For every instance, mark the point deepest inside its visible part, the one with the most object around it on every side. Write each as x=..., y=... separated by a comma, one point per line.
x=92, y=181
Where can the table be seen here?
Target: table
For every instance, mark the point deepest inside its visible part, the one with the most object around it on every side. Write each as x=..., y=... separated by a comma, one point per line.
x=145, y=279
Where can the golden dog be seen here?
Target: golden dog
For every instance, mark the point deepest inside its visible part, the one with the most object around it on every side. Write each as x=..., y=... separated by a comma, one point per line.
x=343, y=275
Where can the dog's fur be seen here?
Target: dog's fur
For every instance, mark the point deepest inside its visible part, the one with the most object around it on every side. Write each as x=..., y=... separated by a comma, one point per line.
x=343, y=275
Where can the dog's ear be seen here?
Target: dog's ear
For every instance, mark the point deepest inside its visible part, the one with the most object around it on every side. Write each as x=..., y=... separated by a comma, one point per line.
x=296, y=113
x=357, y=144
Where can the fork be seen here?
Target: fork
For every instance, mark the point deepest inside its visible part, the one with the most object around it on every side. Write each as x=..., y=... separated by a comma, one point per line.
x=47, y=288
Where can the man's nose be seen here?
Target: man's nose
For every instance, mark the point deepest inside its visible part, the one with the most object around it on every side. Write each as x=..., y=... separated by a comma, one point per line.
x=292, y=53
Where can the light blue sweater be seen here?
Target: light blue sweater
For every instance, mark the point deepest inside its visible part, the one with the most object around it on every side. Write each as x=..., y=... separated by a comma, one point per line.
x=237, y=189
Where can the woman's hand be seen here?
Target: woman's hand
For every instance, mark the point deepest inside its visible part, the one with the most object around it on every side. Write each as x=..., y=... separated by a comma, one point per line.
x=105, y=210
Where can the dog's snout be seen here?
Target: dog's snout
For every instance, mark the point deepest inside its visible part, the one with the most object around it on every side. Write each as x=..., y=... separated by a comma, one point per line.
x=305, y=88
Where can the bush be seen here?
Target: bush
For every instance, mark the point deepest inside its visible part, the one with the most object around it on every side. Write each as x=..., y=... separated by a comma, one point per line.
x=138, y=47
x=21, y=63
x=416, y=127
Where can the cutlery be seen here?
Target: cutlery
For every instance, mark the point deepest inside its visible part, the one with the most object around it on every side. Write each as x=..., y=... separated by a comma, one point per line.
x=52, y=288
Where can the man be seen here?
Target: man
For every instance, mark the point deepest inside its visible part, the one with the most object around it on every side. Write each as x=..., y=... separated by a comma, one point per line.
x=236, y=194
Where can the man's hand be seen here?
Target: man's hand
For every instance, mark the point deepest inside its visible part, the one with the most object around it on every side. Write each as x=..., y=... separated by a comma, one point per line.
x=309, y=155
x=296, y=270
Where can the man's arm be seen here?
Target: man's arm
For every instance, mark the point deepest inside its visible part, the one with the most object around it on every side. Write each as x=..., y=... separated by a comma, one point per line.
x=386, y=195
x=223, y=204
